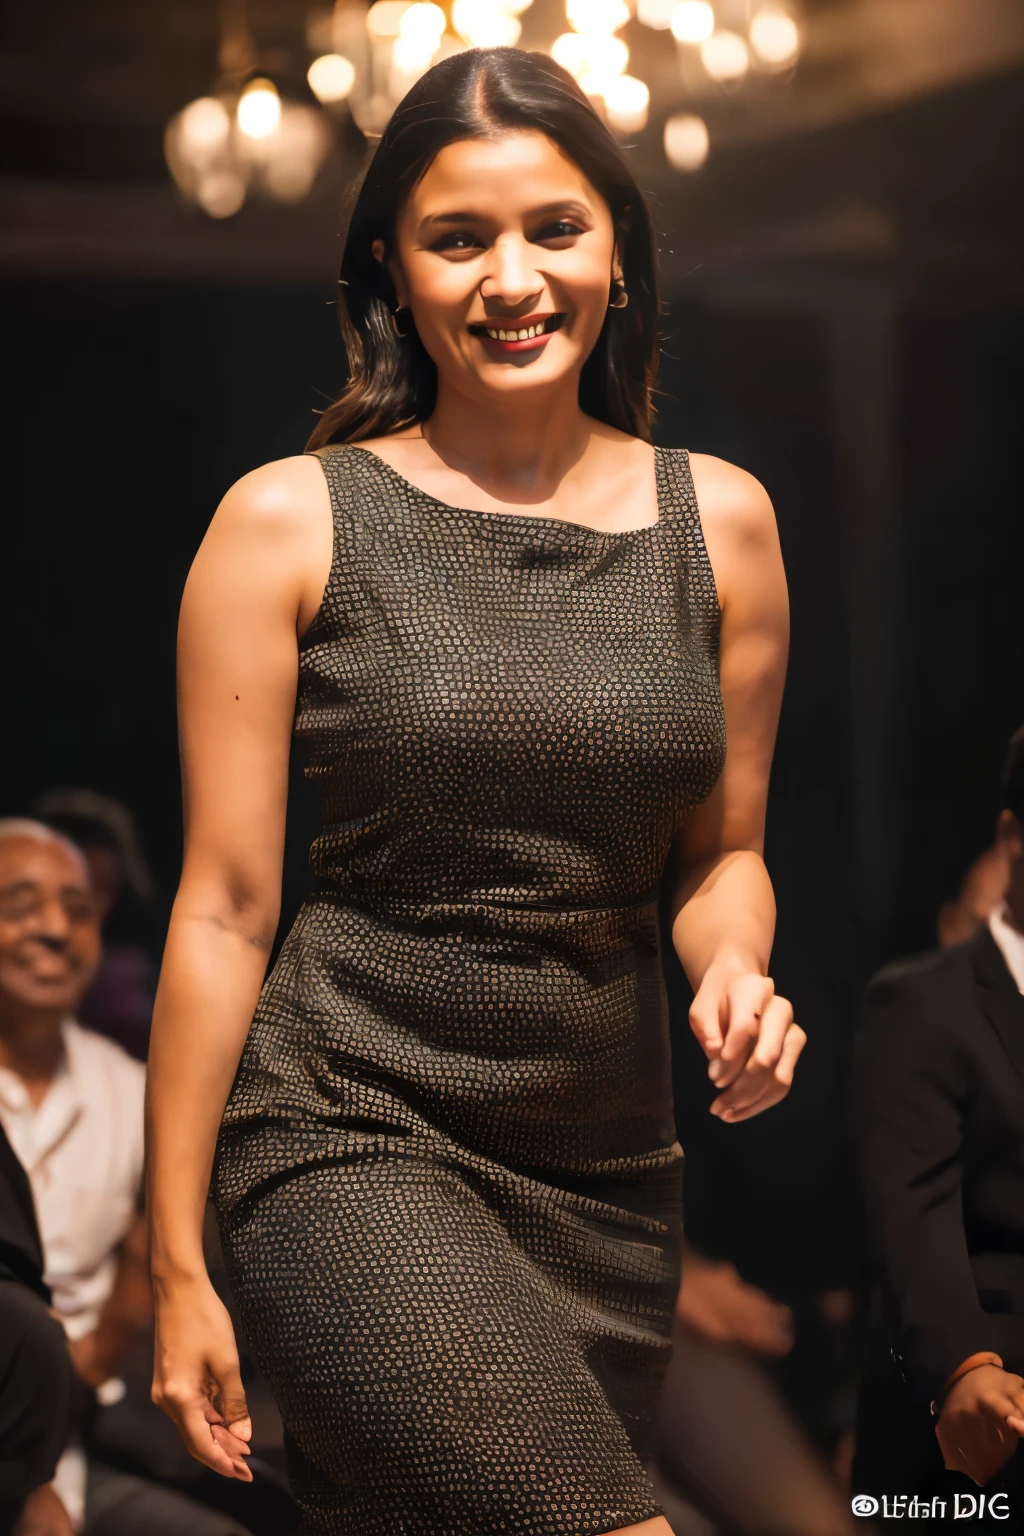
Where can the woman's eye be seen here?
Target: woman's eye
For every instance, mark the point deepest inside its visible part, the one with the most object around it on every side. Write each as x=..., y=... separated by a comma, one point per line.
x=563, y=229
x=458, y=240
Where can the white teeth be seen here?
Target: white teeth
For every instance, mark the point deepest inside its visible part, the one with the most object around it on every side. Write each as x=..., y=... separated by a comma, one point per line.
x=527, y=334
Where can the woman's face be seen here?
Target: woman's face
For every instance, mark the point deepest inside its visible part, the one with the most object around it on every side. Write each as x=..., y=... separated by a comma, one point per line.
x=505, y=236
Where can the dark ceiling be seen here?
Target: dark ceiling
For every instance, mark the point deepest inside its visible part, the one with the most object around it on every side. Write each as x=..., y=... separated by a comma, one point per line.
x=893, y=150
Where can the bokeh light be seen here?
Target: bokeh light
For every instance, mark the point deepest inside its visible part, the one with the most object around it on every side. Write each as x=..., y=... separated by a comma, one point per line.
x=774, y=36
x=595, y=59
x=384, y=18
x=686, y=141
x=692, y=21
x=220, y=192
x=331, y=77
x=596, y=16
x=627, y=101
x=656, y=13
x=725, y=56
x=486, y=23
x=259, y=109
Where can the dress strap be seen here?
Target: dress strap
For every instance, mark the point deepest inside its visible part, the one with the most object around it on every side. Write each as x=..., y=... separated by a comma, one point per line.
x=682, y=514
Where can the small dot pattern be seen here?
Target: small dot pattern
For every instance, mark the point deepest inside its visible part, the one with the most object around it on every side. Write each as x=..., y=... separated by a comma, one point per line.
x=447, y=1178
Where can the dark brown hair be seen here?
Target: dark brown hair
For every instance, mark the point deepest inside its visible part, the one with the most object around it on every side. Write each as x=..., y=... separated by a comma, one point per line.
x=474, y=94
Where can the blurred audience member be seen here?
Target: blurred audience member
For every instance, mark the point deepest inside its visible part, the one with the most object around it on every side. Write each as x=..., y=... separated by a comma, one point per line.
x=984, y=887
x=35, y=1371
x=715, y=1303
x=731, y=1457
x=119, y=1002
x=939, y=1116
x=71, y=1108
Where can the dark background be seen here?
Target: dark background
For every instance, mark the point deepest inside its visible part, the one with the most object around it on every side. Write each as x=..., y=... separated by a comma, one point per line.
x=844, y=319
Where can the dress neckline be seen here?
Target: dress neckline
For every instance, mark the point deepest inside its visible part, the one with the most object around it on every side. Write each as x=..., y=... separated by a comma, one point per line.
x=509, y=520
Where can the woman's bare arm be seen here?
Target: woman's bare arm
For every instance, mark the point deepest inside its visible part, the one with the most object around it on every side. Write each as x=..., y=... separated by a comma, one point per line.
x=253, y=589
x=723, y=911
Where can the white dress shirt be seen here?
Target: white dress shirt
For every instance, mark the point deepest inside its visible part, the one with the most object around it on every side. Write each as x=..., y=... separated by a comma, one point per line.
x=82, y=1150
x=1010, y=941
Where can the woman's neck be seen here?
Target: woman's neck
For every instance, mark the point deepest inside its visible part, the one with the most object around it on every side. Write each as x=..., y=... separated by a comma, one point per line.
x=525, y=452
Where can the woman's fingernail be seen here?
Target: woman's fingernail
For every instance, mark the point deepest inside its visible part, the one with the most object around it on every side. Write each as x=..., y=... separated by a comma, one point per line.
x=716, y=1069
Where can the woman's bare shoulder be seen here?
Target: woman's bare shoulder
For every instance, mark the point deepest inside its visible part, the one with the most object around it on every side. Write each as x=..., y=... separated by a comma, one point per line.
x=281, y=499
x=733, y=504
x=738, y=523
x=271, y=538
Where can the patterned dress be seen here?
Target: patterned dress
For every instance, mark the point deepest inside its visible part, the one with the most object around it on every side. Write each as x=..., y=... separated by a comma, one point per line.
x=448, y=1180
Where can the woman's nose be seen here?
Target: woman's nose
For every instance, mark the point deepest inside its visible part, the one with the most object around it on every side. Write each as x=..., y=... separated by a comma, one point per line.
x=512, y=277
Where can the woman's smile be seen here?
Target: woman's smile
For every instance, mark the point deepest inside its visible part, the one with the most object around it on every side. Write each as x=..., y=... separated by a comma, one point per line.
x=524, y=334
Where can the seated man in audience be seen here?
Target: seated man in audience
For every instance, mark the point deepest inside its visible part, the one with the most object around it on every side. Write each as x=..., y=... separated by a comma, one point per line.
x=731, y=1456
x=939, y=1118
x=71, y=1105
x=982, y=889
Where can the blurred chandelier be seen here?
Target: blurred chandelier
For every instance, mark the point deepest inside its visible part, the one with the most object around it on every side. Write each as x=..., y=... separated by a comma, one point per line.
x=244, y=137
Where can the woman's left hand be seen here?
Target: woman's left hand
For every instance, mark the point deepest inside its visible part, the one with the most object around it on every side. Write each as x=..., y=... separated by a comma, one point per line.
x=749, y=1035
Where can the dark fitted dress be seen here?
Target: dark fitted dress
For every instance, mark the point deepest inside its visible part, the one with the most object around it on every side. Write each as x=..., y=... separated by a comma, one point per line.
x=448, y=1179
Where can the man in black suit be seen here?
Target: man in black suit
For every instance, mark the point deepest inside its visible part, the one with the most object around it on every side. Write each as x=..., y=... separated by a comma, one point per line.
x=939, y=1122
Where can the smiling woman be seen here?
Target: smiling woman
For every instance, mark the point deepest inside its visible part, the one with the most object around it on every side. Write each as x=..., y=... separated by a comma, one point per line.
x=588, y=197
x=446, y=1170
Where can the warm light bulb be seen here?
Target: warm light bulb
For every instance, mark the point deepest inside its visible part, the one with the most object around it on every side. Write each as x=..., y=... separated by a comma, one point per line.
x=331, y=77
x=423, y=25
x=220, y=193
x=596, y=16
x=415, y=46
x=259, y=109
x=626, y=101
x=298, y=151
x=568, y=50
x=725, y=56
x=686, y=141
x=485, y=24
x=692, y=21
x=655, y=13
x=774, y=36
x=596, y=58
x=384, y=18
x=516, y=7
x=203, y=128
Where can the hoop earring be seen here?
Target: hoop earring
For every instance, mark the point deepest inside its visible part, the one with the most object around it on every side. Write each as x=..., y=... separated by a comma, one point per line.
x=621, y=298
x=397, y=325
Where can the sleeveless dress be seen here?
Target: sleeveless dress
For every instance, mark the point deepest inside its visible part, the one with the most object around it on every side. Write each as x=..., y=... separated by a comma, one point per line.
x=447, y=1180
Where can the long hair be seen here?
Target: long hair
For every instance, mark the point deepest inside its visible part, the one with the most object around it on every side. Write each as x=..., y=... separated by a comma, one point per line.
x=475, y=94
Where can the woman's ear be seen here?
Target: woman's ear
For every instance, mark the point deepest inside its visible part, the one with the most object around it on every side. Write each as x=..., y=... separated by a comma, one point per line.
x=390, y=265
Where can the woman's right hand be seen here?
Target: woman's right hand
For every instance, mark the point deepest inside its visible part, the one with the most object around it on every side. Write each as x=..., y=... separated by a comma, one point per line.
x=196, y=1376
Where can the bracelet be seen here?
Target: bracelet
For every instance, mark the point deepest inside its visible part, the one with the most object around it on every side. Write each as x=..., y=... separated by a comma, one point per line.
x=984, y=1357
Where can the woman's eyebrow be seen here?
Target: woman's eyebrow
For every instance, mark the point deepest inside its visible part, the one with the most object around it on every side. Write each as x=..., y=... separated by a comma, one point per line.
x=462, y=216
